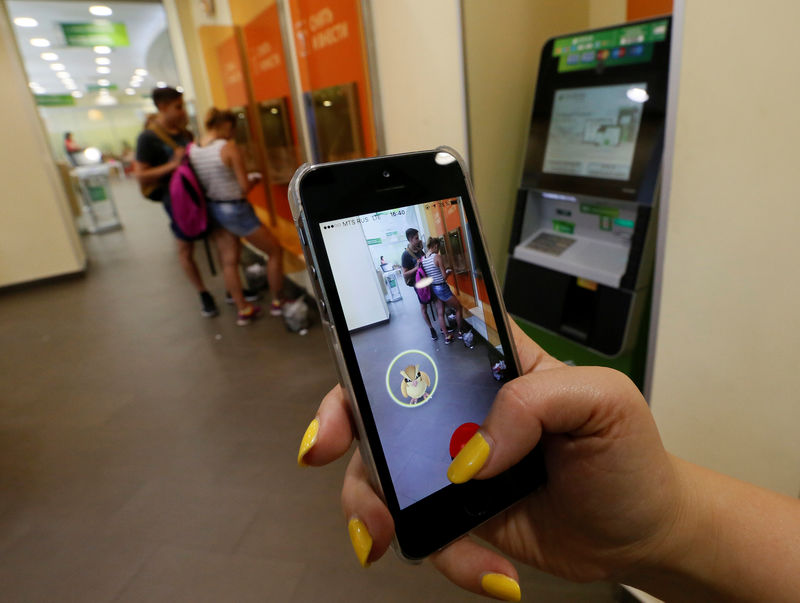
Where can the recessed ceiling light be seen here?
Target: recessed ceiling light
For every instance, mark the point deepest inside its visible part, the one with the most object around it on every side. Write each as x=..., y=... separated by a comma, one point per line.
x=57, y=66
x=103, y=70
x=71, y=85
x=102, y=61
x=161, y=84
x=130, y=91
x=141, y=72
x=77, y=94
x=64, y=75
x=40, y=42
x=179, y=89
x=26, y=22
x=33, y=85
x=49, y=56
x=135, y=84
x=102, y=49
x=103, y=82
x=99, y=10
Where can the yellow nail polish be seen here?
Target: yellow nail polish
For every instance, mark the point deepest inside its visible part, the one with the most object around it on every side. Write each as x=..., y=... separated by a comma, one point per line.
x=501, y=587
x=361, y=540
x=309, y=439
x=469, y=461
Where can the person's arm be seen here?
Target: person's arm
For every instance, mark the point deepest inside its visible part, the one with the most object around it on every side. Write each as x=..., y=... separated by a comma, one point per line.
x=232, y=157
x=146, y=174
x=410, y=272
x=616, y=506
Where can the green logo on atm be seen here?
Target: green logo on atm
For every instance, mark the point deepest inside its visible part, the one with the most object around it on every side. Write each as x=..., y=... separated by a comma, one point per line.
x=564, y=226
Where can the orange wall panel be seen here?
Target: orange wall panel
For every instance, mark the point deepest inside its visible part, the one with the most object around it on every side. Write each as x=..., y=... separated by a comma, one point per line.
x=230, y=64
x=644, y=9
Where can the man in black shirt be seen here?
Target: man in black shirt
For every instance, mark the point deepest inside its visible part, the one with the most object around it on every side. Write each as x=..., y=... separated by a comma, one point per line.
x=410, y=261
x=159, y=150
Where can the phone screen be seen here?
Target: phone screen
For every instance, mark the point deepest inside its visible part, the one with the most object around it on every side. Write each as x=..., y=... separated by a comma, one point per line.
x=421, y=324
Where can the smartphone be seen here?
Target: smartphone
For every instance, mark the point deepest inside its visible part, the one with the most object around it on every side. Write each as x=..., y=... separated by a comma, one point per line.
x=415, y=399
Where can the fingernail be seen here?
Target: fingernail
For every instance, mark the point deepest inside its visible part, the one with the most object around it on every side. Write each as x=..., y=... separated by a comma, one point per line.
x=309, y=439
x=502, y=587
x=469, y=461
x=361, y=540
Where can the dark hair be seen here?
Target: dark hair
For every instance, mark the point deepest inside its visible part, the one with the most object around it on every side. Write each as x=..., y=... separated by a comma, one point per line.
x=164, y=96
x=434, y=242
x=67, y=135
x=411, y=232
x=216, y=117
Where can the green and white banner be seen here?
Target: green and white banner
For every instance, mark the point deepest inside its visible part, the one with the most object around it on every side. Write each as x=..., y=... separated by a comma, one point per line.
x=95, y=34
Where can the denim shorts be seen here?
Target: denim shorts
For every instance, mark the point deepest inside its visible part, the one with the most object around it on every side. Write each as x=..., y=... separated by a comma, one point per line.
x=442, y=291
x=237, y=217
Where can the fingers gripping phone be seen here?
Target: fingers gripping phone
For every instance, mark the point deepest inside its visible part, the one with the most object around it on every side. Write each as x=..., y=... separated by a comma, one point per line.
x=421, y=348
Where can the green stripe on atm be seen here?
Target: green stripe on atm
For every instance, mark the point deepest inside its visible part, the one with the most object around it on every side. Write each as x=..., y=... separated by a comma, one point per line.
x=624, y=223
x=599, y=210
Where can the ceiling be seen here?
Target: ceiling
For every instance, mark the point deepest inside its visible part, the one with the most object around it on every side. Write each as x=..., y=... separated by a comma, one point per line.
x=149, y=48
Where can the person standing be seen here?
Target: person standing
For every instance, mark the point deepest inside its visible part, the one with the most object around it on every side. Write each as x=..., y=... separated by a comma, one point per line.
x=434, y=268
x=219, y=166
x=410, y=261
x=159, y=151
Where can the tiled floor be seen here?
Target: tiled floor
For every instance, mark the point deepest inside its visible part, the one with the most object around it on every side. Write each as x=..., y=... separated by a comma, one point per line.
x=148, y=454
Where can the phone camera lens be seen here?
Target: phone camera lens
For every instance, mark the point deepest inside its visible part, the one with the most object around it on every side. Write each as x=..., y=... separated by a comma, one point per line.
x=386, y=173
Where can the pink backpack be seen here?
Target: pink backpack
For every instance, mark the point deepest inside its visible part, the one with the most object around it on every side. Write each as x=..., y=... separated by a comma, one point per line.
x=187, y=199
x=424, y=294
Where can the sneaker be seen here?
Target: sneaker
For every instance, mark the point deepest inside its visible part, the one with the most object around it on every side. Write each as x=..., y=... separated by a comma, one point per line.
x=434, y=336
x=448, y=339
x=249, y=315
x=275, y=308
x=249, y=295
x=209, y=305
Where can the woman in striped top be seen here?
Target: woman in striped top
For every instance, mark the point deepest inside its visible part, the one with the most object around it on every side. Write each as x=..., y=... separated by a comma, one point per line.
x=434, y=268
x=219, y=166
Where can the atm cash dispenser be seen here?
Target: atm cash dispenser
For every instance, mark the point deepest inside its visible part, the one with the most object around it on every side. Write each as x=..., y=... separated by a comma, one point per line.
x=581, y=250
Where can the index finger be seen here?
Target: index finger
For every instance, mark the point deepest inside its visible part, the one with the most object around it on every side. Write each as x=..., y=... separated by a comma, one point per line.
x=330, y=433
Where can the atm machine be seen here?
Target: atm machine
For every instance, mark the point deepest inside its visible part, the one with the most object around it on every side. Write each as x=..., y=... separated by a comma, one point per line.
x=581, y=251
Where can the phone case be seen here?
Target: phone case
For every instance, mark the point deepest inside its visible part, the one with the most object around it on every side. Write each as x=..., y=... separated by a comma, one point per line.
x=330, y=330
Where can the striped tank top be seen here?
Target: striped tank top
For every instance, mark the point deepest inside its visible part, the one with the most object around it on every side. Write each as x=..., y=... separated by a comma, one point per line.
x=432, y=270
x=218, y=180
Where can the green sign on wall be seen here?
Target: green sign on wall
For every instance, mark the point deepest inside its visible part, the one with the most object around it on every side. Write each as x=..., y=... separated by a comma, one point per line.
x=95, y=34
x=54, y=100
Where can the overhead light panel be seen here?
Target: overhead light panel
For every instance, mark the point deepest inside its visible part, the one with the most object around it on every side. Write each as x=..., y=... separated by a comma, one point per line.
x=135, y=84
x=57, y=66
x=102, y=49
x=99, y=10
x=103, y=82
x=77, y=94
x=40, y=42
x=130, y=91
x=64, y=75
x=25, y=22
x=161, y=84
x=141, y=72
x=103, y=70
x=179, y=89
x=49, y=56
x=102, y=61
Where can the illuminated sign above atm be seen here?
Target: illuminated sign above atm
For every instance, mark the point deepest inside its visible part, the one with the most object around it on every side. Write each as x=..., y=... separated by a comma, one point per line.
x=610, y=47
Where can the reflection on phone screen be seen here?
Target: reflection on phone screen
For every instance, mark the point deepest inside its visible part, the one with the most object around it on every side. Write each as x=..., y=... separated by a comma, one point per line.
x=406, y=278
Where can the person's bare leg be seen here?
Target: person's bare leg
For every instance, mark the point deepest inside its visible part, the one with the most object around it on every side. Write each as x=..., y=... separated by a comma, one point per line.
x=264, y=240
x=424, y=309
x=442, y=323
x=186, y=258
x=228, y=247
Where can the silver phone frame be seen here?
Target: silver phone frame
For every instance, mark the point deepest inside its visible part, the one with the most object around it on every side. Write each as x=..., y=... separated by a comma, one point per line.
x=298, y=215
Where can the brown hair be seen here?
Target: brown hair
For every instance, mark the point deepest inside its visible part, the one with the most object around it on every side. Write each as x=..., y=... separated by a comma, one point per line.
x=434, y=242
x=164, y=96
x=216, y=117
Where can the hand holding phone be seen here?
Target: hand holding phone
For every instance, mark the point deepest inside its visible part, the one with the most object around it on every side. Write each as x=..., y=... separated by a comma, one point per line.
x=610, y=495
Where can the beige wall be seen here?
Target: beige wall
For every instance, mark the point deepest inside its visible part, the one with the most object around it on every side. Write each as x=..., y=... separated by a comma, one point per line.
x=607, y=12
x=726, y=377
x=419, y=62
x=38, y=238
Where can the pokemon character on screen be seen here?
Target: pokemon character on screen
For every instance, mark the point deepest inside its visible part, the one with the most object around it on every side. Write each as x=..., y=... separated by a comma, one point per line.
x=415, y=383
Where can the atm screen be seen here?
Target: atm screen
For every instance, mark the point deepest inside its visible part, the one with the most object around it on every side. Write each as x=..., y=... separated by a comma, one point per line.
x=593, y=131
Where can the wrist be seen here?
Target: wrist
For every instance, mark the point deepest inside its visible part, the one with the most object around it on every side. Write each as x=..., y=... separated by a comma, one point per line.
x=680, y=558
